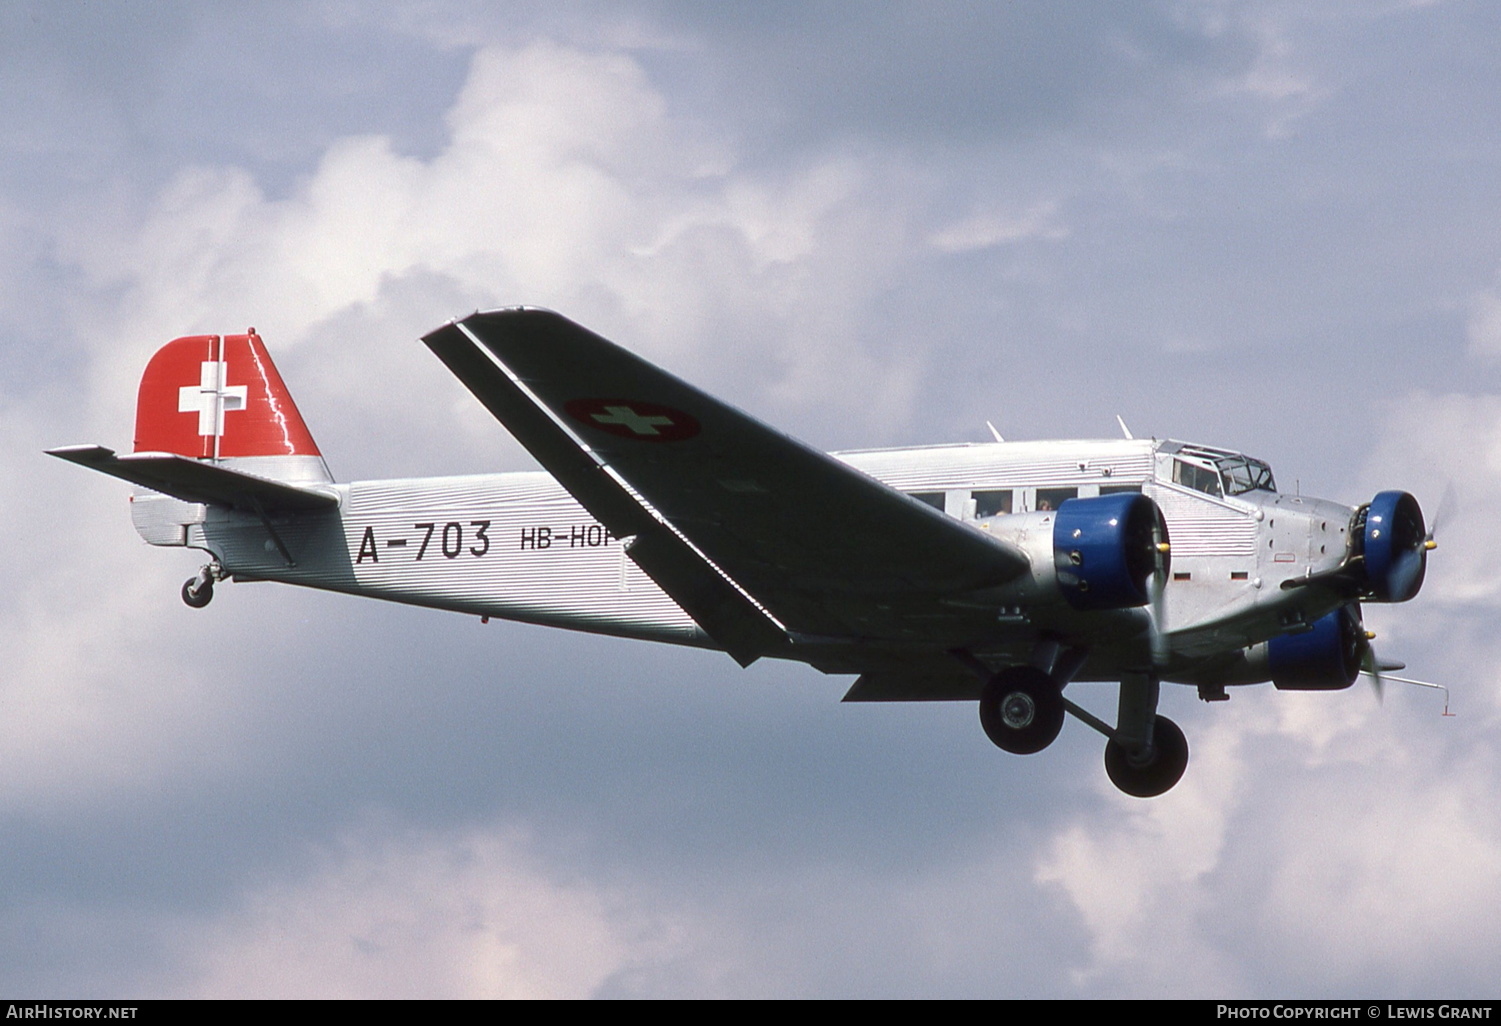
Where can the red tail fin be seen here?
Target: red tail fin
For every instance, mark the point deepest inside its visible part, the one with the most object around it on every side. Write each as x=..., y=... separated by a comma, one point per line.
x=216, y=398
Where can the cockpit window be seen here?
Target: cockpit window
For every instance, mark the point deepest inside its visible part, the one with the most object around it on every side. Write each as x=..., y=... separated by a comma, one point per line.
x=1216, y=472
x=1243, y=474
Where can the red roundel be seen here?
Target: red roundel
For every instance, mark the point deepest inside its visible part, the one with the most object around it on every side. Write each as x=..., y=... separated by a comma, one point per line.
x=634, y=419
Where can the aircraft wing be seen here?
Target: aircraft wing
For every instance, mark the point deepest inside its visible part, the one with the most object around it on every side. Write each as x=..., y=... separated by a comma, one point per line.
x=824, y=549
x=195, y=481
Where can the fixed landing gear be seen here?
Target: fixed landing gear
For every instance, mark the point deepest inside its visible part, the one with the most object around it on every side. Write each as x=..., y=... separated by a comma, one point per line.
x=1021, y=710
x=1151, y=770
x=199, y=591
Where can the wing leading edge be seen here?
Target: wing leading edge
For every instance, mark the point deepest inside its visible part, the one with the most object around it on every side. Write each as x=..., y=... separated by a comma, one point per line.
x=760, y=533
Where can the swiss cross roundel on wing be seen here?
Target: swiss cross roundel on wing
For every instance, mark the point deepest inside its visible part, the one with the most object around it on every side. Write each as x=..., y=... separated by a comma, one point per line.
x=633, y=418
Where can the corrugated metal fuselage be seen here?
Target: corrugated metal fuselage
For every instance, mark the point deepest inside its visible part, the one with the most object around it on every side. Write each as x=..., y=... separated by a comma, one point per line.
x=517, y=546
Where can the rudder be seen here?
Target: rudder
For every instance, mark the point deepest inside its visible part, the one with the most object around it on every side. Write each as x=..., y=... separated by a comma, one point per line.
x=221, y=398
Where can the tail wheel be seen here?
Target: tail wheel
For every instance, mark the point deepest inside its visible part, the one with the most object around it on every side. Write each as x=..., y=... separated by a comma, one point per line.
x=1021, y=710
x=1147, y=776
x=197, y=593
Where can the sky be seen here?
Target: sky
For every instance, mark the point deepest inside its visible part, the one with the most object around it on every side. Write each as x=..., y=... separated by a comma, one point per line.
x=1268, y=226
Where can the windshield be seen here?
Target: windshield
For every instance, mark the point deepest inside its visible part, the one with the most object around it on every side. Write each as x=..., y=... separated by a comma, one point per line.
x=1219, y=473
x=1243, y=474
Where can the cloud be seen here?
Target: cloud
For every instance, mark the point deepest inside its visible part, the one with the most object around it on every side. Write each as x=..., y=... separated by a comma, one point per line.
x=1140, y=877
x=1483, y=328
x=564, y=182
x=392, y=913
x=983, y=230
x=1315, y=846
x=1436, y=445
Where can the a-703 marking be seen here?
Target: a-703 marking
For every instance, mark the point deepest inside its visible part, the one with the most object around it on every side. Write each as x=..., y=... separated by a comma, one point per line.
x=450, y=540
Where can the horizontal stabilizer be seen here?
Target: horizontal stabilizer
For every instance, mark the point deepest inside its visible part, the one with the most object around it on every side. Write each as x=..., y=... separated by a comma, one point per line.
x=195, y=481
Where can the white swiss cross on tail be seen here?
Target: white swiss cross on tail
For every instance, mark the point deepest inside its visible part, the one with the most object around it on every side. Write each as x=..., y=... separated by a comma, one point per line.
x=633, y=418
x=211, y=398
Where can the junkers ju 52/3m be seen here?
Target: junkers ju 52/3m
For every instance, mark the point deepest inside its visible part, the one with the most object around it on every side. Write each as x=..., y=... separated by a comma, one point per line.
x=993, y=573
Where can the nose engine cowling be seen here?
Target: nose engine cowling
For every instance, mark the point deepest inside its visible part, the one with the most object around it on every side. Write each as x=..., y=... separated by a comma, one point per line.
x=1393, y=545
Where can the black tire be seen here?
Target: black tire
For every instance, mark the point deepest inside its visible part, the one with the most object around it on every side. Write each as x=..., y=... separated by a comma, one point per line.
x=195, y=596
x=1159, y=772
x=1021, y=710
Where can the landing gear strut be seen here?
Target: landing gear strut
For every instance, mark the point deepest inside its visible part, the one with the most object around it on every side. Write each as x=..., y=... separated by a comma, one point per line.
x=1021, y=710
x=1146, y=754
x=199, y=591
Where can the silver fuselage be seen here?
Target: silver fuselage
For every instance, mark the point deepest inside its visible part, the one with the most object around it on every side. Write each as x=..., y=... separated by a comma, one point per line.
x=517, y=546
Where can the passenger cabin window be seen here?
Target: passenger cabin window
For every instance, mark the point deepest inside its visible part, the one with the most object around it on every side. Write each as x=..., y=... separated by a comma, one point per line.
x=1052, y=498
x=934, y=499
x=991, y=503
x=1117, y=489
x=1200, y=479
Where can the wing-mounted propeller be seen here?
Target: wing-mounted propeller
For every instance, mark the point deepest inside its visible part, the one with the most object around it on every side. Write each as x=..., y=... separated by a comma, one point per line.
x=1372, y=667
x=1380, y=672
x=1161, y=567
x=1328, y=654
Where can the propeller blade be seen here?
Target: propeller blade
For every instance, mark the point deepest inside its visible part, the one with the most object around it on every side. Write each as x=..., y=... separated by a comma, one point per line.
x=1161, y=650
x=1371, y=667
x=1446, y=507
x=1410, y=566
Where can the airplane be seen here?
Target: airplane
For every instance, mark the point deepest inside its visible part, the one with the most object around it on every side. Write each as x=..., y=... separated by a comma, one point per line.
x=997, y=573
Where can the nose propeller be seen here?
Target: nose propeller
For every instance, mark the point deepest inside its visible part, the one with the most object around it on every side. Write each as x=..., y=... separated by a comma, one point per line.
x=1396, y=545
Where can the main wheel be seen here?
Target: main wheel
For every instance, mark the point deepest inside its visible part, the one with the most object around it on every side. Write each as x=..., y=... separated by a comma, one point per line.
x=1021, y=710
x=197, y=595
x=1159, y=771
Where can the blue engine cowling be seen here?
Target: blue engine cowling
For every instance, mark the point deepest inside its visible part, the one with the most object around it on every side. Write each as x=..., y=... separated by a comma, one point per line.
x=1106, y=549
x=1326, y=658
x=1394, y=544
